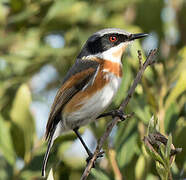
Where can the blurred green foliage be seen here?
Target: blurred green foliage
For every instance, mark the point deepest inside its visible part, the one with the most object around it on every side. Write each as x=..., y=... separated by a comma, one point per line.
x=27, y=28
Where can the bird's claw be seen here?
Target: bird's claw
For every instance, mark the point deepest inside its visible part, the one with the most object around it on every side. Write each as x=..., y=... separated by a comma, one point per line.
x=100, y=154
x=119, y=113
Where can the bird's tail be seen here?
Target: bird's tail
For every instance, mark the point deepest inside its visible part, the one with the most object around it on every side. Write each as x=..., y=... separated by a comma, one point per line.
x=50, y=143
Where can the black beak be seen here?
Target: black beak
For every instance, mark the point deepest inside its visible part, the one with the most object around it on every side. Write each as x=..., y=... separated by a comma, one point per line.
x=137, y=36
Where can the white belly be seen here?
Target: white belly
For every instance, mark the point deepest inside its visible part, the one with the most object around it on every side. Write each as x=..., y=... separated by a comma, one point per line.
x=94, y=106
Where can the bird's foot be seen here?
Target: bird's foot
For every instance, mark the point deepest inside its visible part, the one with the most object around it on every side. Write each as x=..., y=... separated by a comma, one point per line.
x=118, y=113
x=100, y=154
x=121, y=114
x=114, y=113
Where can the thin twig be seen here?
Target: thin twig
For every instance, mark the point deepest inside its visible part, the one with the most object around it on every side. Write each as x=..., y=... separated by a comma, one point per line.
x=150, y=60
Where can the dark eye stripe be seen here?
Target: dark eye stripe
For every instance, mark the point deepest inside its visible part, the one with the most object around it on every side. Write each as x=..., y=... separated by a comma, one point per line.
x=123, y=38
x=98, y=44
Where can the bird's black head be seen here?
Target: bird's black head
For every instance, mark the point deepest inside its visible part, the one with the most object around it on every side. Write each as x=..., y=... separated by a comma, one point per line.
x=105, y=40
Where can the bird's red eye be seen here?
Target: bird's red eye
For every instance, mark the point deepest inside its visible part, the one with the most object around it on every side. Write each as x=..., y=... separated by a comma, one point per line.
x=113, y=38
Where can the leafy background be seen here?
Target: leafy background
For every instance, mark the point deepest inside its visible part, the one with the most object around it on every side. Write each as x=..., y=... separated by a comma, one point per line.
x=39, y=40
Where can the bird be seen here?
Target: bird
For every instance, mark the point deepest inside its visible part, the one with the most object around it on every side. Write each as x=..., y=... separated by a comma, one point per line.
x=89, y=86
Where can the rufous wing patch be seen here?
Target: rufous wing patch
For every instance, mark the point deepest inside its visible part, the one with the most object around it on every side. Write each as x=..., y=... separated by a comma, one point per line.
x=76, y=102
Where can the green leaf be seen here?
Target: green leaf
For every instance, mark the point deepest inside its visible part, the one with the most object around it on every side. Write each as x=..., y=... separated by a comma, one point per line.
x=153, y=125
x=161, y=171
x=168, y=146
x=162, y=152
x=99, y=174
x=152, y=152
x=127, y=151
x=22, y=118
x=18, y=139
x=68, y=10
x=6, y=145
x=140, y=167
x=6, y=169
x=179, y=141
x=141, y=109
x=177, y=90
x=150, y=126
x=171, y=117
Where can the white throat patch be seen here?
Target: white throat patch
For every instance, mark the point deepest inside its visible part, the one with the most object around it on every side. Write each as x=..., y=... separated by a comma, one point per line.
x=113, y=54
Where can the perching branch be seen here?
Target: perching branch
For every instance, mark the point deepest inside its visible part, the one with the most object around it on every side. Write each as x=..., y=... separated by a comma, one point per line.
x=149, y=61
